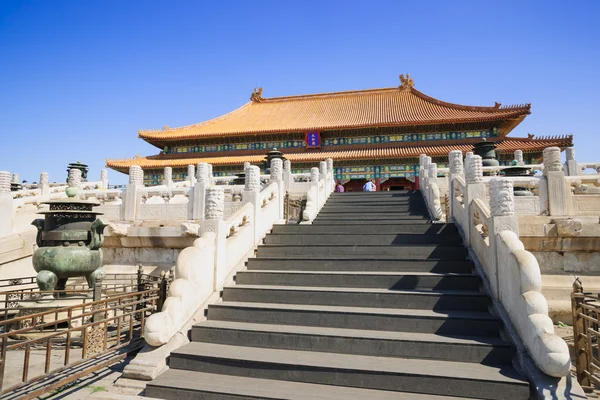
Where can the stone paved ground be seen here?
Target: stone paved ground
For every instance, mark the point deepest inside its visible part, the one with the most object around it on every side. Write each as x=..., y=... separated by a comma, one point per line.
x=100, y=384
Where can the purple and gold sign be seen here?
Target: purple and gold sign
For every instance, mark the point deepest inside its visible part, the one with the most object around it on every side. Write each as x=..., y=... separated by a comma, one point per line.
x=313, y=139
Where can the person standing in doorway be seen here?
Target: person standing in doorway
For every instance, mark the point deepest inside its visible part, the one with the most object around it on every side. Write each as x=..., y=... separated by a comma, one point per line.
x=339, y=188
x=369, y=186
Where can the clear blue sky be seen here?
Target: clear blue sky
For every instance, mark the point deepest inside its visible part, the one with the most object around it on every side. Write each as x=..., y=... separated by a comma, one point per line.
x=79, y=78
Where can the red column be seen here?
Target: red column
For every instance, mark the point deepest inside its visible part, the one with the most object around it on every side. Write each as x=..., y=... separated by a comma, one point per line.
x=377, y=185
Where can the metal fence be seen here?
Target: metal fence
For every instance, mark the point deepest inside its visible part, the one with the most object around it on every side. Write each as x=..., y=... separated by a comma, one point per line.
x=586, y=323
x=63, y=337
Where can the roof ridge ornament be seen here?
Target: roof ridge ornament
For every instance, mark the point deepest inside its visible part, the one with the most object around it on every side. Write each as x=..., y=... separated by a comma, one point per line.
x=406, y=83
x=256, y=96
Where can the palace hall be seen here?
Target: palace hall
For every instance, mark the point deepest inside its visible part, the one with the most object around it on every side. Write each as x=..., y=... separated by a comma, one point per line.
x=370, y=134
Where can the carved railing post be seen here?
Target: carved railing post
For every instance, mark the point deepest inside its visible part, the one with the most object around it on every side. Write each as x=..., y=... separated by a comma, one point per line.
x=191, y=175
x=210, y=174
x=331, y=181
x=131, y=200
x=251, y=194
x=277, y=177
x=168, y=177
x=421, y=168
x=475, y=188
x=104, y=178
x=197, y=202
x=434, y=197
x=323, y=177
x=314, y=183
x=502, y=218
x=213, y=222
x=455, y=160
x=7, y=215
x=560, y=202
x=16, y=179
x=287, y=175
x=44, y=186
x=425, y=172
x=571, y=166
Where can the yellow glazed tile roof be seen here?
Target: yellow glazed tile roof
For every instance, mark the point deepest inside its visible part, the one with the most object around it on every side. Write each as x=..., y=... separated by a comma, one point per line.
x=400, y=106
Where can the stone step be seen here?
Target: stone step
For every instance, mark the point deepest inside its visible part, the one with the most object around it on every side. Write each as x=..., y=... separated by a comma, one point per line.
x=375, y=215
x=192, y=385
x=360, y=279
x=395, y=194
x=456, y=323
x=381, y=205
x=368, y=372
x=360, y=207
x=486, y=350
x=438, y=300
x=361, y=239
x=387, y=229
x=408, y=220
x=406, y=252
x=358, y=264
x=373, y=211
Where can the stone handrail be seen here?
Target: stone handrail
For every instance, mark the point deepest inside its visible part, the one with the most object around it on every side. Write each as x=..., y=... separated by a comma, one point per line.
x=267, y=193
x=204, y=268
x=499, y=168
x=194, y=274
x=512, y=273
x=238, y=219
x=554, y=193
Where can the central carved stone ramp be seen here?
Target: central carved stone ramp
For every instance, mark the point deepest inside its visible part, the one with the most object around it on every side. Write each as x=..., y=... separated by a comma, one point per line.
x=371, y=301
